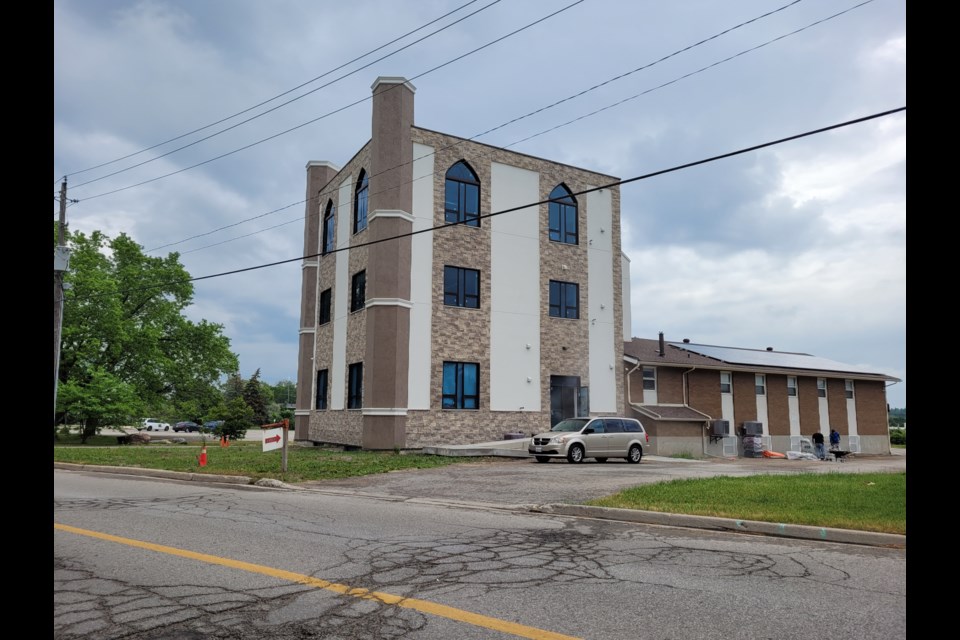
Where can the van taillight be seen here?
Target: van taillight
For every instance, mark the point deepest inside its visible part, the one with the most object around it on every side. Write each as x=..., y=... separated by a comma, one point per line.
x=646, y=436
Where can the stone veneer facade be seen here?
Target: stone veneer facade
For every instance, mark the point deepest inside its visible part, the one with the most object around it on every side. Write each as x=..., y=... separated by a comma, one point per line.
x=458, y=334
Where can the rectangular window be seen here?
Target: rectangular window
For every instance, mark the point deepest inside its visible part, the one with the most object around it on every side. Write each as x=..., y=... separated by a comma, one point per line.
x=324, y=312
x=355, y=390
x=650, y=378
x=564, y=299
x=359, y=291
x=461, y=385
x=848, y=388
x=726, y=382
x=822, y=387
x=792, y=386
x=760, y=382
x=321, y=402
x=461, y=287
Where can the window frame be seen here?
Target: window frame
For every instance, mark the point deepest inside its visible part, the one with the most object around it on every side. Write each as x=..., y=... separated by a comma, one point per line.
x=792, y=389
x=649, y=382
x=355, y=386
x=728, y=384
x=361, y=202
x=329, y=228
x=358, y=291
x=848, y=388
x=320, y=398
x=324, y=307
x=821, y=387
x=459, y=214
x=561, y=211
x=760, y=384
x=561, y=305
x=460, y=294
x=458, y=397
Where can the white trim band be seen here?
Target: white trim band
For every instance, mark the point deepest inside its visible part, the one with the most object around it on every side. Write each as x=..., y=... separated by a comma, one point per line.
x=390, y=213
x=388, y=302
x=385, y=412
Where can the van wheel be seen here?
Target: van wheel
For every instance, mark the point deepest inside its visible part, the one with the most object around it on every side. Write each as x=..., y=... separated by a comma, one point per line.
x=601, y=459
x=575, y=454
x=543, y=459
x=635, y=454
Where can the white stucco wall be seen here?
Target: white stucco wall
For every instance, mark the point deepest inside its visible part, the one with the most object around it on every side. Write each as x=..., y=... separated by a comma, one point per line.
x=515, y=291
x=341, y=296
x=625, y=297
x=603, y=323
x=421, y=265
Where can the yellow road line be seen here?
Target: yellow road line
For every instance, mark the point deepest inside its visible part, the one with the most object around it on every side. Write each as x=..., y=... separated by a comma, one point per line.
x=423, y=606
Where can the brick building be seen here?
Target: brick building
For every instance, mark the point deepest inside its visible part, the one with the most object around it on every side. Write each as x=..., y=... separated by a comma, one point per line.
x=426, y=320
x=702, y=399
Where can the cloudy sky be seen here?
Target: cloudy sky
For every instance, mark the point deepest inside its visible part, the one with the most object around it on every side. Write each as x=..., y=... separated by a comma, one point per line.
x=171, y=126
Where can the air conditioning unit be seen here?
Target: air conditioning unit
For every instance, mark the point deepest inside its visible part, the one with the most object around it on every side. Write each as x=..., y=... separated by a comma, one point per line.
x=721, y=427
x=753, y=428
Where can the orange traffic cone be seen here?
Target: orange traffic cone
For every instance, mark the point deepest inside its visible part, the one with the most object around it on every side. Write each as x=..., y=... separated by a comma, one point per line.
x=203, y=456
x=224, y=442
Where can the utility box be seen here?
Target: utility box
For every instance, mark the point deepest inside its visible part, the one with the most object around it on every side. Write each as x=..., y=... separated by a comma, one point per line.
x=753, y=428
x=720, y=428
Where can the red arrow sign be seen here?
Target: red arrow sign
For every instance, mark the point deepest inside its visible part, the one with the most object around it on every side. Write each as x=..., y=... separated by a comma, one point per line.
x=272, y=439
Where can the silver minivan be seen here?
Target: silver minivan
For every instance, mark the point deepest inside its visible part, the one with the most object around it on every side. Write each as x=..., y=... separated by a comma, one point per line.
x=599, y=438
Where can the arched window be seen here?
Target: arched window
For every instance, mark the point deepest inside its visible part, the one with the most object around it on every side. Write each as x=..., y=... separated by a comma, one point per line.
x=462, y=201
x=360, y=203
x=563, y=216
x=329, y=218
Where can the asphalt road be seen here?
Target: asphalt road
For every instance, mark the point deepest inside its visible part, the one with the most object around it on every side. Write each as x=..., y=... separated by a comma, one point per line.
x=151, y=559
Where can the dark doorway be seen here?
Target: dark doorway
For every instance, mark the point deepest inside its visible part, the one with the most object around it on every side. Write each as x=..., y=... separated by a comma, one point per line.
x=567, y=398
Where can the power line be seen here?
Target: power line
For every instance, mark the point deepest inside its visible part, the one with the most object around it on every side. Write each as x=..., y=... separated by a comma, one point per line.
x=352, y=104
x=299, y=86
x=609, y=185
x=283, y=104
x=540, y=110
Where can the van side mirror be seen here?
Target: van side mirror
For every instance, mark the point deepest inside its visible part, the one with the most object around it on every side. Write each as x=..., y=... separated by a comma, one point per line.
x=588, y=430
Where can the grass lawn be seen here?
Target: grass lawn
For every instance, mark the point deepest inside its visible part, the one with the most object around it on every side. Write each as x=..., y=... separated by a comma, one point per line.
x=246, y=459
x=859, y=501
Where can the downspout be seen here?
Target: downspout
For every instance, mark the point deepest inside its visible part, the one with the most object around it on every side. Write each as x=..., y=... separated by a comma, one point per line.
x=629, y=401
x=705, y=429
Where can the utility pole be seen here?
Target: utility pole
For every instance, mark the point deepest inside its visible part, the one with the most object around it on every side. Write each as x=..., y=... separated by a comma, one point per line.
x=61, y=260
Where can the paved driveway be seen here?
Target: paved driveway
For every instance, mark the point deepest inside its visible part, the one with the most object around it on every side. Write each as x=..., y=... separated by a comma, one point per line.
x=522, y=481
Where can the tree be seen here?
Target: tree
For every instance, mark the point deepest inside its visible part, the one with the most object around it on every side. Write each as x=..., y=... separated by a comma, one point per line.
x=256, y=398
x=236, y=420
x=126, y=347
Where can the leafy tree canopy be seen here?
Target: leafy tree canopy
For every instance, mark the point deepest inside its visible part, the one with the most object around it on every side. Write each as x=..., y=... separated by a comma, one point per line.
x=124, y=332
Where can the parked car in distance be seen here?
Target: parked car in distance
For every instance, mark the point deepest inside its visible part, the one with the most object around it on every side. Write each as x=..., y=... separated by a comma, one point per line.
x=153, y=424
x=212, y=425
x=187, y=426
x=599, y=438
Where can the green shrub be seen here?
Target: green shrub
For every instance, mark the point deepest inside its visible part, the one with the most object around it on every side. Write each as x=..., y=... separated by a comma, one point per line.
x=898, y=436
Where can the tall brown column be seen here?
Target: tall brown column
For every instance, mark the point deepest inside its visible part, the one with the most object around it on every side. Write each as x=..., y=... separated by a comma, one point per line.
x=388, y=270
x=319, y=174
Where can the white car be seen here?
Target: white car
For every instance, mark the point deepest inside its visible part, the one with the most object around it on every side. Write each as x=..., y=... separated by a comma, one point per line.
x=152, y=424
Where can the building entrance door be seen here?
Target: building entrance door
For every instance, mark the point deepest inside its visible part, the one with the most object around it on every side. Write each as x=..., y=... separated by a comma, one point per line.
x=567, y=398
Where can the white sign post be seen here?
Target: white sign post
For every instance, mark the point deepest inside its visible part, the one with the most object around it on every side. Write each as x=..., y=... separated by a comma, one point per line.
x=277, y=439
x=272, y=439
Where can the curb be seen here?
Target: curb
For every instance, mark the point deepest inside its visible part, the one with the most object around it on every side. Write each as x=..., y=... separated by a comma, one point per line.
x=155, y=473
x=806, y=532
